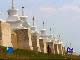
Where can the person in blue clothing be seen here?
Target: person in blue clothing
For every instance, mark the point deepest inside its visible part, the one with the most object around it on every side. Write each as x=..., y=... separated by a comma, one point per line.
x=10, y=50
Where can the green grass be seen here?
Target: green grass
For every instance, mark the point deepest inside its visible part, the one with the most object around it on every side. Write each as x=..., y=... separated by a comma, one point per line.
x=20, y=54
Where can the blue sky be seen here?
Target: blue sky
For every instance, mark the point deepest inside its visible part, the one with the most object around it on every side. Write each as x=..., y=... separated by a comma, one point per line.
x=64, y=14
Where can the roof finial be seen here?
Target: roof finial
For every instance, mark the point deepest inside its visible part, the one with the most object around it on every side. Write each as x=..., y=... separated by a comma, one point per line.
x=12, y=4
x=33, y=20
x=53, y=30
x=59, y=37
x=50, y=30
x=43, y=24
x=22, y=11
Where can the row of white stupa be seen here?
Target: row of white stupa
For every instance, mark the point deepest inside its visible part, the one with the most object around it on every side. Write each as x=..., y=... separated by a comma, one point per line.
x=20, y=22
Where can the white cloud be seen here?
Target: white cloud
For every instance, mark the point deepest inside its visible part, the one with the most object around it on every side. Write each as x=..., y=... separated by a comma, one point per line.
x=75, y=8
x=48, y=10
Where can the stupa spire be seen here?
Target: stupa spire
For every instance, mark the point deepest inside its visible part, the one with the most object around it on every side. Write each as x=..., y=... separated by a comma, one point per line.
x=50, y=31
x=12, y=4
x=22, y=10
x=43, y=24
x=53, y=30
x=33, y=20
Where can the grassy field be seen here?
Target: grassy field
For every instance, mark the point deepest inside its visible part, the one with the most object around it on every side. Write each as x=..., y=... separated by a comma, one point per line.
x=20, y=54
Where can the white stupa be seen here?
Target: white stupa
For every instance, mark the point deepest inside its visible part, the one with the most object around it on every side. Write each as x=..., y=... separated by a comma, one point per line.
x=16, y=21
x=25, y=24
x=44, y=36
x=24, y=19
x=34, y=29
x=36, y=33
x=50, y=36
x=43, y=33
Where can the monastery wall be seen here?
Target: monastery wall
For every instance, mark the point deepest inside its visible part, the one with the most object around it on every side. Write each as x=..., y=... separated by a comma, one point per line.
x=24, y=39
x=63, y=50
x=51, y=46
x=38, y=45
x=6, y=34
x=41, y=43
x=56, y=49
x=14, y=40
x=60, y=48
x=34, y=41
x=45, y=45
